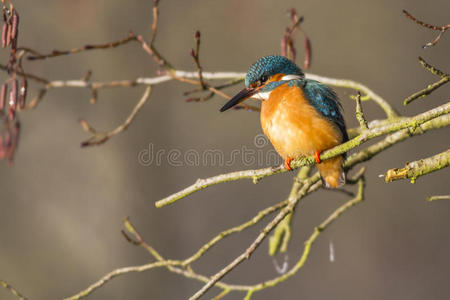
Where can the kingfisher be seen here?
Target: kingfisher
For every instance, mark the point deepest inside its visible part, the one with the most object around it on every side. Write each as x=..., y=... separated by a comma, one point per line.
x=301, y=117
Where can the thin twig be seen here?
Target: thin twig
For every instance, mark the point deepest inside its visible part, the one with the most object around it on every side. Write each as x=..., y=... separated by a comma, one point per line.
x=36, y=55
x=116, y=273
x=28, y=75
x=100, y=137
x=430, y=88
x=359, y=113
x=261, y=214
x=441, y=29
x=151, y=50
x=196, y=56
x=231, y=83
x=155, y=21
x=12, y=290
x=431, y=68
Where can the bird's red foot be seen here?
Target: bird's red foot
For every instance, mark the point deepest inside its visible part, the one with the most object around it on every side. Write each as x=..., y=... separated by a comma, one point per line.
x=317, y=156
x=287, y=164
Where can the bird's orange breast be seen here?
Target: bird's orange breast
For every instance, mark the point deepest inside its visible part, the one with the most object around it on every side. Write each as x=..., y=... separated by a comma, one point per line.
x=293, y=126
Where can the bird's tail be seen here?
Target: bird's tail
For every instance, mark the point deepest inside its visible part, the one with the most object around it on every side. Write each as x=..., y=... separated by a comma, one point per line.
x=332, y=173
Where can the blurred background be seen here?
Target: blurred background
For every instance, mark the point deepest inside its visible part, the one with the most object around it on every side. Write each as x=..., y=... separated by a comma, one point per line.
x=62, y=206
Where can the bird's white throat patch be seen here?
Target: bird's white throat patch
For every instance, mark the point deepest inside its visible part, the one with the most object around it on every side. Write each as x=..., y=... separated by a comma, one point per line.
x=290, y=77
x=262, y=95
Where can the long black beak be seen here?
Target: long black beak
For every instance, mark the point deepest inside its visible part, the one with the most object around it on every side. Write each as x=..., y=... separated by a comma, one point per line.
x=241, y=96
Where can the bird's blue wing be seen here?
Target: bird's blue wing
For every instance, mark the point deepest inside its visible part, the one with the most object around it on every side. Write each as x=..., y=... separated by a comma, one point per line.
x=325, y=101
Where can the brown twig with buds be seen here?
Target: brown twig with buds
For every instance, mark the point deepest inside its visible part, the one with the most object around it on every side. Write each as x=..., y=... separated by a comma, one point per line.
x=195, y=55
x=205, y=86
x=441, y=29
x=288, y=40
x=55, y=53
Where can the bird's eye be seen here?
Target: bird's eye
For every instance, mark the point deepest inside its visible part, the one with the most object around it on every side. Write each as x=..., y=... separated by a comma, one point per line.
x=263, y=79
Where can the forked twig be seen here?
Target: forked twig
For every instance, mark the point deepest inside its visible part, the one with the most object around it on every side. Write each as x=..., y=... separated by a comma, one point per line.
x=101, y=137
x=441, y=29
x=430, y=88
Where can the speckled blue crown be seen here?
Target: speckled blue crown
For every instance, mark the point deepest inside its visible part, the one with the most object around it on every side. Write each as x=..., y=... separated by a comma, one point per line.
x=271, y=65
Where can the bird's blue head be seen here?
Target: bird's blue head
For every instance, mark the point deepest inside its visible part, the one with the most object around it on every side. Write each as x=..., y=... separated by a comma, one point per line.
x=269, y=66
x=266, y=74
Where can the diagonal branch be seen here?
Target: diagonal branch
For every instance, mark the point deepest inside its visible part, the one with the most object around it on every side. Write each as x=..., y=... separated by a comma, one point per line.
x=101, y=137
x=119, y=272
x=12, y=290
x=256, y=175
x=309, y=242
x=430, y=88
x=280, y=238
x=293, y=199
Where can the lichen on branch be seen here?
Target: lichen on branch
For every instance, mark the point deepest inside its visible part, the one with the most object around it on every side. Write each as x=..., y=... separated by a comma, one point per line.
x=415, y=169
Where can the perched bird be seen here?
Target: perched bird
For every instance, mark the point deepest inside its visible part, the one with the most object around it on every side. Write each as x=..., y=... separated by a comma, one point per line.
x=299, y=116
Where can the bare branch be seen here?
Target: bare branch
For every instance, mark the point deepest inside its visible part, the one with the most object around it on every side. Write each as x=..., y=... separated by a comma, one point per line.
x=430, y=88
x=36, y=55
x=443, y=197
x=196, y=56
x=441, y=29
x=155, y=21
x=280, y=238
x=261, y=214
x=23, y=74
x=12, y=290
x=415, y=169
x=359, y=113
x=100, y=137
x=116, y=273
